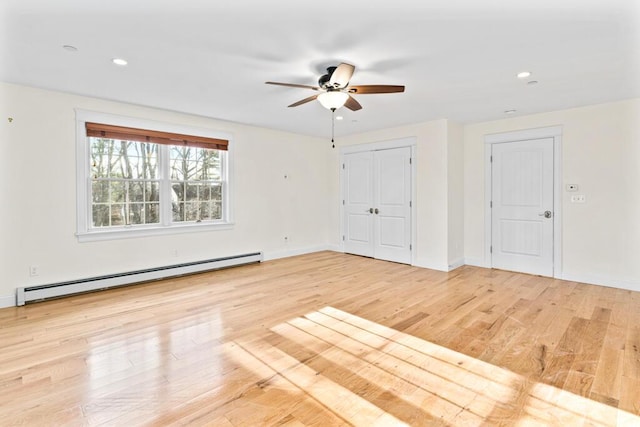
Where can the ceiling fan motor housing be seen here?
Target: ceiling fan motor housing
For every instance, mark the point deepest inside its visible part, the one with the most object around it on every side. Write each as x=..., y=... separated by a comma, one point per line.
x=323, y=81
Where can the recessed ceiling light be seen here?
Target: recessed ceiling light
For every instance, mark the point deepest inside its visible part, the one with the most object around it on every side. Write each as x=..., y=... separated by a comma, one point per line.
x=524, y=74
x=70, y=48
x=509, y=111
x=119, y=61
x=339, y=117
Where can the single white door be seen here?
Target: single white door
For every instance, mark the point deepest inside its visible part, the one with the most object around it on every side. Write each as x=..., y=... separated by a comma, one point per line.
x=358, y=203
x=392, y=200
x=377, y=204
x=522, y=206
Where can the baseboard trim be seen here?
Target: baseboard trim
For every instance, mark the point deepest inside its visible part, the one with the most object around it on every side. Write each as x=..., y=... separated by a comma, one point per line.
x=437, y=267
x=334, y=248
x=271, y=255
x=456, y=264
x=7, y=301
x=476, y=262
x=602, y=281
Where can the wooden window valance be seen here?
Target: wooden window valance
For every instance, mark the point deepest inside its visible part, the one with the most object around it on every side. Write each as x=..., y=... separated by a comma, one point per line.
x=100, y=130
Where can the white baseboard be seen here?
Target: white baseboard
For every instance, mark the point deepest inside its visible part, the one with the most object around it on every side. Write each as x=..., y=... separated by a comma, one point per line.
x=7, y=301
x=438, y=267
x=602, y=281
x=334, y=248
x=271, y=255
x=455, y=264
x=476, y=262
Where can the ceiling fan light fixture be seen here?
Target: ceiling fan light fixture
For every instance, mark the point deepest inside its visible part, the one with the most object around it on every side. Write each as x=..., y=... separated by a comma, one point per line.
x=333, y=99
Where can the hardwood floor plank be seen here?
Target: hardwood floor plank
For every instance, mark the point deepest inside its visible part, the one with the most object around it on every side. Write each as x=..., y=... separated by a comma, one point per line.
x=631, y=364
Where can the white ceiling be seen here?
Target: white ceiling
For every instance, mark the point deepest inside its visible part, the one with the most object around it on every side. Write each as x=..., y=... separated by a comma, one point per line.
x=457, y=58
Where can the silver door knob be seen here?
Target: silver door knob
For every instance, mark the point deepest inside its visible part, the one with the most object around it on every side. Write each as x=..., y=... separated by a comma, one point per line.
x=376, y=210
x=370, y=210
x=546, y=214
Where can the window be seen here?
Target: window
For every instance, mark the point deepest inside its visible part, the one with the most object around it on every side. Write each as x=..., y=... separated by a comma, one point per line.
x=125, y=189
x=146, y=181
x=196, y=184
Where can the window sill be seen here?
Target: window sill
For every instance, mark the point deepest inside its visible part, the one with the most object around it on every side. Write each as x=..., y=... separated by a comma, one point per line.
x=128, y=233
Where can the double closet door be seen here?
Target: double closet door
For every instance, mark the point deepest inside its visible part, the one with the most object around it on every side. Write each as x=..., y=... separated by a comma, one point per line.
x=377, y=204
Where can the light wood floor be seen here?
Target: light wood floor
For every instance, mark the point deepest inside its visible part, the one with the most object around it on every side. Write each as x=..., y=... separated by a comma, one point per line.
x=326, y=339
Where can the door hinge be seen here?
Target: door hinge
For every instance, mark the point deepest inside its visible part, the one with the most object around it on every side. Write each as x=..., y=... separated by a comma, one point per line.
x=490, y=159
x=490, y=249
x=410, y=247
x=343, y=237
x=490, y=204
x=343, y=203
x=410, y=160
x=343, y=166
x=410, y=204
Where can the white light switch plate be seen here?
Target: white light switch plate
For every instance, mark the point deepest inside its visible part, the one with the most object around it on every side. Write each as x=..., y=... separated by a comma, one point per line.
x=578, y=198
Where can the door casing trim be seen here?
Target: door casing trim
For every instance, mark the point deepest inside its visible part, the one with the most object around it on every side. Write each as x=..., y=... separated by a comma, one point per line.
x=554, y=132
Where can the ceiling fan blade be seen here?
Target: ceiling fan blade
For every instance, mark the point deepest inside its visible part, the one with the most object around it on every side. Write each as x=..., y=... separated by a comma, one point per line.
x=341, y=75
x=367, y=89
x=304, y=101
x=352, y=104
x=293, y=85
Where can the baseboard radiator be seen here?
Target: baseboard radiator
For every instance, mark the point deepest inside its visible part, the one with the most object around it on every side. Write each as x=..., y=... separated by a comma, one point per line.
x=55, y=290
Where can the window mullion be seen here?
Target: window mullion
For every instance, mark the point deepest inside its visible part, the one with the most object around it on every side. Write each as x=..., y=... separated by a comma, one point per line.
x=165, y=185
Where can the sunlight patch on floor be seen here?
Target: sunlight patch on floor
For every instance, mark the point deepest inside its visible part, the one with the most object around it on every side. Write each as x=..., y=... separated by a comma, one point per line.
x=425, y=380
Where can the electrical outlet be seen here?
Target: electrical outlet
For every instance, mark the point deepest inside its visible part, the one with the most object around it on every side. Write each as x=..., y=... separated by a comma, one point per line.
x=34, y=270
x=578, y=198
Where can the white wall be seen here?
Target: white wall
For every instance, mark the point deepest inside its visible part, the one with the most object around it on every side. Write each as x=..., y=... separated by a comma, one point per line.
x=601, y=153
x=38, y=218
x=434, y=198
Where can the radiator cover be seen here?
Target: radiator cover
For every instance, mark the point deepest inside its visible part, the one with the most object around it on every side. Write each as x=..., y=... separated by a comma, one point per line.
x=54, y=290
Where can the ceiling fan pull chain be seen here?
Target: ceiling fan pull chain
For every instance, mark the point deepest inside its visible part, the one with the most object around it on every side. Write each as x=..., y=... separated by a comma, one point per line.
x=333, y=127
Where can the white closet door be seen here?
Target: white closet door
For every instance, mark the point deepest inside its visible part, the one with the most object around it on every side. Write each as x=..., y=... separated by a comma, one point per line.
x=377, y=213
x=358, y=198
x=392, y=210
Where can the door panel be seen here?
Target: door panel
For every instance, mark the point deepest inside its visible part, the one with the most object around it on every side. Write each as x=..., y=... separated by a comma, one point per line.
x=392, y=196
x=359, y=230
x=521, y=237
x=522, y=191
x=358, y=194
x=393, y=232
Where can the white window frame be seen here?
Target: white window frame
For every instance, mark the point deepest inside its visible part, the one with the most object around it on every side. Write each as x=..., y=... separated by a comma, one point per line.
x=85, y=233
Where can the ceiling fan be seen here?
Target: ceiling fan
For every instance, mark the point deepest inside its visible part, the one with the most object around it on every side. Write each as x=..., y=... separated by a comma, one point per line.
x=335, y=90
